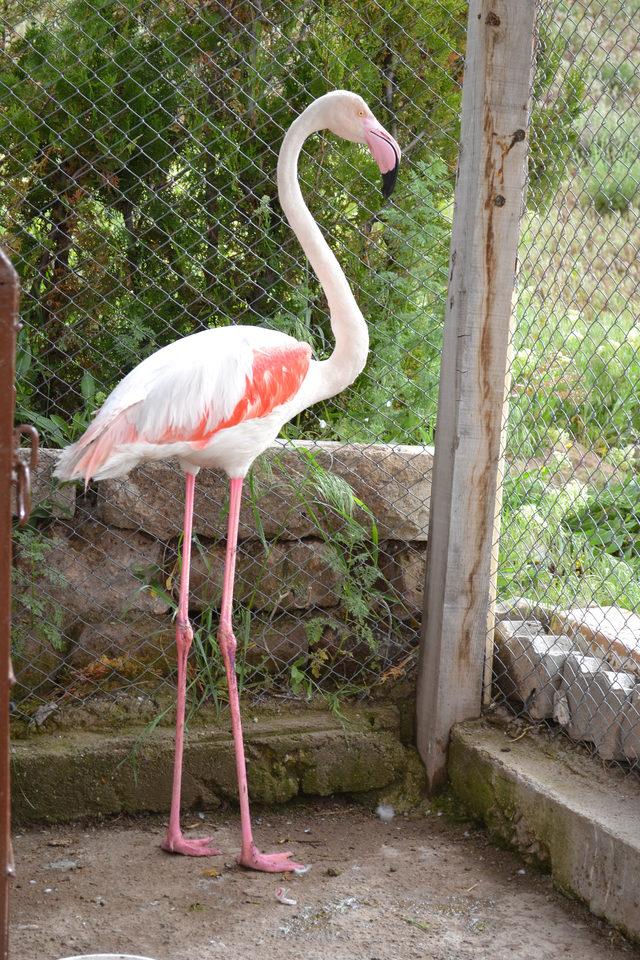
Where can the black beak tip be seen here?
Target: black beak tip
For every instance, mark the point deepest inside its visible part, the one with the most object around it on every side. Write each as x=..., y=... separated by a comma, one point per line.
x=389, y=181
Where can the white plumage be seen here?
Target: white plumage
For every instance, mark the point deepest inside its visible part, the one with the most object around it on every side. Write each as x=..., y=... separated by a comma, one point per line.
x=193, y=384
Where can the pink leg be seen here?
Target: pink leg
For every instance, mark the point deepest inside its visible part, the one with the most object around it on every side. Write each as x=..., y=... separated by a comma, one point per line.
x=174, y=842
x=250, y=856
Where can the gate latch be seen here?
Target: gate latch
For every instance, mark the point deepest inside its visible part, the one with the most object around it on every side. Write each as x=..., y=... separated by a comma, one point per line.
x=23, y=468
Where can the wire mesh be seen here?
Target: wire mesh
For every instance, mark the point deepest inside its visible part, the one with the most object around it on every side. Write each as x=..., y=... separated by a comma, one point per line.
x=139, y=150
x=568, y=653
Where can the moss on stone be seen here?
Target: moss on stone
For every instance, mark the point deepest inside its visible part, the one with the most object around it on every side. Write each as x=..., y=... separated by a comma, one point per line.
x=553, y=818
x=408, y=792
x=69, y=775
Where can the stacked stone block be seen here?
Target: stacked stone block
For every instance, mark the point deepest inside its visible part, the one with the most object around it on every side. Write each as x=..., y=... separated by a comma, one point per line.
x=95, y=600
x=547, y=676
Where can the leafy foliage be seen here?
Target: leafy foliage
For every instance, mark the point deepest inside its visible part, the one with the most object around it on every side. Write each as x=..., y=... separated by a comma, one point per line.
x=559, y=95
x=612, y=159
x=609, y=519
x=139, y=153
x=347, y=527
x=35, y=615
x=139, y=149
x=560, y=545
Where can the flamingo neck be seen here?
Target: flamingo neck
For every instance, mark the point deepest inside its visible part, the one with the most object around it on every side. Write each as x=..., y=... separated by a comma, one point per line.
x=347, y=323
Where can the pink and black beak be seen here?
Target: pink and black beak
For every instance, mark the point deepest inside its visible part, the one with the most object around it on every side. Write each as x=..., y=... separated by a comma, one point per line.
x=386, y=153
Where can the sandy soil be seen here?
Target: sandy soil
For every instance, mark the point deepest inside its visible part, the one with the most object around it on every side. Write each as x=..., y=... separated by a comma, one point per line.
x=412, y=887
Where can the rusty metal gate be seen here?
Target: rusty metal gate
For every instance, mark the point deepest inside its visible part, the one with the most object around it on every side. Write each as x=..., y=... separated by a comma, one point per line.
x=15, y=470
x=8, y=310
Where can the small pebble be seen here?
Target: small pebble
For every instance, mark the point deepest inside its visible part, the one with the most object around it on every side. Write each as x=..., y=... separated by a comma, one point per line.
x=64, y=865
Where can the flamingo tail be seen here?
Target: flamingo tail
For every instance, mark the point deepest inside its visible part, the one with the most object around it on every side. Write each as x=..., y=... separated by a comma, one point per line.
x=98, y=452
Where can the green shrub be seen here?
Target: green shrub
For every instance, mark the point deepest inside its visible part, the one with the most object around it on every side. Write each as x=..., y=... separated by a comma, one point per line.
x=610, y=139
x=575, y=377
x=610, y=519
x=558, y=102
x=553, y=546
x=621, y=77
x=139, y=197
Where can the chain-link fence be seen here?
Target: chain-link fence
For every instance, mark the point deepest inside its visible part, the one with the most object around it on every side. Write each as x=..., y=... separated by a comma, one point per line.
x=139, y=199
x=139, y=151
x=569, y=562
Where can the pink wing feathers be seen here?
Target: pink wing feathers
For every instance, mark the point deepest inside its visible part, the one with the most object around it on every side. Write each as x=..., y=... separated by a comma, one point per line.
x=276, y=376
x=188, y=392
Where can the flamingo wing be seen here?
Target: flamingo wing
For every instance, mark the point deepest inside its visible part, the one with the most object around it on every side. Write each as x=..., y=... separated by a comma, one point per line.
x=190, y=391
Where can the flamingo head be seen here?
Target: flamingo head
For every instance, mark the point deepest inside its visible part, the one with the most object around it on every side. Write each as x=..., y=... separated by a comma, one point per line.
x=348, y=116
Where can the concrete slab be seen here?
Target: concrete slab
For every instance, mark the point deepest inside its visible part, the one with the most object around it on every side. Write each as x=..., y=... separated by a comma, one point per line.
x=610, y=632
x=575, y=663
x=579, y=820
x=65, y=776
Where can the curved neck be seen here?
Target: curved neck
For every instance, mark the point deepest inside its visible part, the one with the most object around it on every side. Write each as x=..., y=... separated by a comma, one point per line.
x=347, y=323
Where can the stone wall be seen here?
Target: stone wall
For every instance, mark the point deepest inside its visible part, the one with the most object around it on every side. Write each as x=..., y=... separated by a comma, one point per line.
x=97, y=578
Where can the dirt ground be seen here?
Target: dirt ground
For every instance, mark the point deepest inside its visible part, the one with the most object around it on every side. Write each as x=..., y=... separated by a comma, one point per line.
x=411, y=887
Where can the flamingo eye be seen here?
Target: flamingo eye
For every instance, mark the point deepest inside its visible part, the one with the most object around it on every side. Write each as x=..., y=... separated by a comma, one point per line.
x=361, y=113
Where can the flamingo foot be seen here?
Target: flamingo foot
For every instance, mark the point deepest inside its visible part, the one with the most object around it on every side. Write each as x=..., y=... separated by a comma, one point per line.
x=200, y=847
x=252, y=859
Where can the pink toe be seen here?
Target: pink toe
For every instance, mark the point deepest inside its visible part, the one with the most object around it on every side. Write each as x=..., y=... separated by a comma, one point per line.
x=269, y=862
x=200, y=847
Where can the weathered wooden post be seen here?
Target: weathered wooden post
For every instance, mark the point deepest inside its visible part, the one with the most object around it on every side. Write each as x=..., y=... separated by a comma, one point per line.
x=488, y=205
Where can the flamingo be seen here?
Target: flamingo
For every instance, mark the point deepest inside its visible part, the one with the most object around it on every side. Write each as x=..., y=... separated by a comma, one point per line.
x=219, y=398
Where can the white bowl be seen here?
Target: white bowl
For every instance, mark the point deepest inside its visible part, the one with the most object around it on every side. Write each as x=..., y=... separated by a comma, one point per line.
x=106, y=956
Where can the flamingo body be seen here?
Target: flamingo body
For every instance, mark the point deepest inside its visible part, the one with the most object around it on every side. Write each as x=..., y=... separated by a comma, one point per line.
x=214, y=399
x=218, y=399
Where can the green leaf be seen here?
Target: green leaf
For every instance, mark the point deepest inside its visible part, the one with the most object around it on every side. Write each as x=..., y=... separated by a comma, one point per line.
x=88, y=386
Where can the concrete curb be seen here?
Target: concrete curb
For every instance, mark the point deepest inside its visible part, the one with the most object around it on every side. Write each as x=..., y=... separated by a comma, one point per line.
x=60, y=777
x=581, y=823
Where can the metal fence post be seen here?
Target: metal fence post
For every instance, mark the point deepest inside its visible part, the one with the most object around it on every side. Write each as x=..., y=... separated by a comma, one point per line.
x=8, y=325
x=488, y=206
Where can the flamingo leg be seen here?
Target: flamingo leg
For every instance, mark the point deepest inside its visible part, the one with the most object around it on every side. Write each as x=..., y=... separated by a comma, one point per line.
x=250, y=856
x=175, y=842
